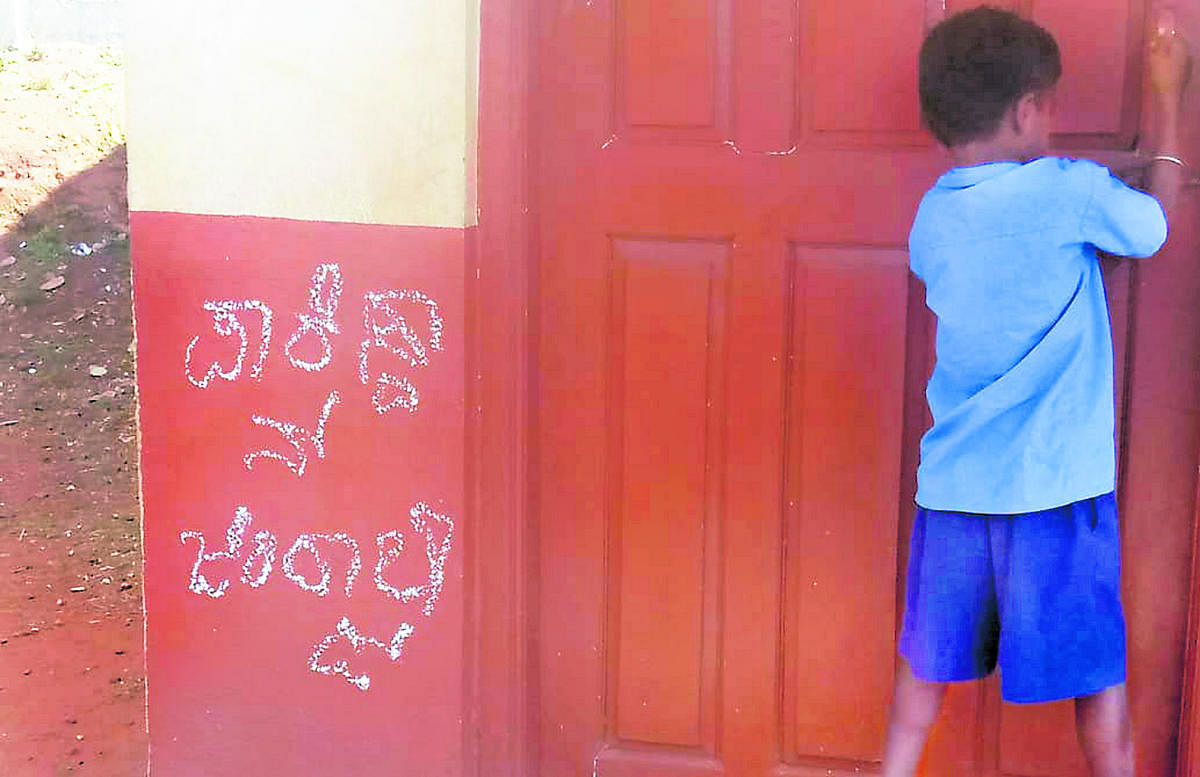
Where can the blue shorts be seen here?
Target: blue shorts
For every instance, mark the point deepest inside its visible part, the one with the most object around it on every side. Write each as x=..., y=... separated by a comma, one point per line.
x=1037, y=593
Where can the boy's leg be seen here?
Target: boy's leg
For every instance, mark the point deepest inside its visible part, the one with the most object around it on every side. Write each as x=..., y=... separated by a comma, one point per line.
x=950, y=627
x=1105, y=733
x=915, y=706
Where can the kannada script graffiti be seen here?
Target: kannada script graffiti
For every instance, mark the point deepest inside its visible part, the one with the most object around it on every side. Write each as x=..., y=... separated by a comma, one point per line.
x=389, y=333
x=213, y=574
x=226, y=323
x=323, y=300
x=296, y=436
x=403, y=328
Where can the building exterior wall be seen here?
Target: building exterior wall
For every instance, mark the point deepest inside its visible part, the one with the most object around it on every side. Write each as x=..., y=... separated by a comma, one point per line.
x=362, y=111
x=302, y=214
x=269, y=146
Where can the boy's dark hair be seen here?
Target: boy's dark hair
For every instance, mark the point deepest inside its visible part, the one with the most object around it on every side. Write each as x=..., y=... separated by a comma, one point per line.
x=978, y=63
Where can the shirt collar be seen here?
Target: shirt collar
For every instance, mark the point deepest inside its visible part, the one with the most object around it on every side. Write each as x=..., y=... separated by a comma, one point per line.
x=962, y=177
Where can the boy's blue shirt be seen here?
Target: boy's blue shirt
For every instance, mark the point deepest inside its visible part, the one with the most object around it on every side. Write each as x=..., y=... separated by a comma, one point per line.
x=1022, y=393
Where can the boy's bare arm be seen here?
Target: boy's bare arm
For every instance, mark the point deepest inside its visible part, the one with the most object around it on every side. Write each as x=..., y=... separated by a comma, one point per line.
x=1168, y=65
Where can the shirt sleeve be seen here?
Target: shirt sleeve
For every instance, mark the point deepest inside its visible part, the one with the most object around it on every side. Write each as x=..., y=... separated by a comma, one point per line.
x=1121, y=220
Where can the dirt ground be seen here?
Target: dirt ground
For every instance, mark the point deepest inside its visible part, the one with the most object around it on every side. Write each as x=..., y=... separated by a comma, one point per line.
x=72, y=683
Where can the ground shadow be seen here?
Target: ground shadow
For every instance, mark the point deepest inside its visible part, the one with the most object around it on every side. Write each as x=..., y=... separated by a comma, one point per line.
x=70, y=585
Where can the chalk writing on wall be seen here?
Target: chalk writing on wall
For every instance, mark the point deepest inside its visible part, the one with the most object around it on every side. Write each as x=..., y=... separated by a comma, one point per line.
x=263, y=555
x=308, y=544
x=323, y=300
x=233, y=547
x=402, y=328
x=226, y=323
x=345, y=631
x=297, y=436
x=391, y=333
x=213, y=573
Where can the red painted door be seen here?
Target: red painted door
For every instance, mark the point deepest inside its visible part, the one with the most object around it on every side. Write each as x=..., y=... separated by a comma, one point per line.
x=731, y=358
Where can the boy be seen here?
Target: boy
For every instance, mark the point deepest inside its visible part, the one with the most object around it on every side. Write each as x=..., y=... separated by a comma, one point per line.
x=1014, y=558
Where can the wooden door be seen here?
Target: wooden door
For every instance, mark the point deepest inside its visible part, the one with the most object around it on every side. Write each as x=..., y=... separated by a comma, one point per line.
x=731, y=358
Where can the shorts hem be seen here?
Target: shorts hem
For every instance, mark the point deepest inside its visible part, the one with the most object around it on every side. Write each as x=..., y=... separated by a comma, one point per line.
x=1087, y=690
x=929, y=676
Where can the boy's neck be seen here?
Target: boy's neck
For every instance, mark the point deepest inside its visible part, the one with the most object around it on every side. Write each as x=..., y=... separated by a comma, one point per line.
x=982, y=152
x=1022, y=134
x=1004, y=145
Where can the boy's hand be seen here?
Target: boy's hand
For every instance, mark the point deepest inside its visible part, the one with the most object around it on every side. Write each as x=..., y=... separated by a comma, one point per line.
x=1168, y=60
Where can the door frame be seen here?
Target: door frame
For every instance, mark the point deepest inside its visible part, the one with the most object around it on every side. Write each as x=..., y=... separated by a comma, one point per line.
x=500, y=679
x=1188, y=763
x=499, y=659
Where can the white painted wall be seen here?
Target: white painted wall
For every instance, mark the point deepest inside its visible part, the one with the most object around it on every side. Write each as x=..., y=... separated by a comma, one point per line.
x=361, y=111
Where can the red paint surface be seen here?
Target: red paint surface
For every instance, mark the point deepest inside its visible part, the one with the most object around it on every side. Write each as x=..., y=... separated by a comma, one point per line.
x=230, y=688
x=730, y=367
x=502, y=684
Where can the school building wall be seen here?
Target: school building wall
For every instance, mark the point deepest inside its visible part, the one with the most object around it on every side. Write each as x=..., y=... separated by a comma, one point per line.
x=302, y=196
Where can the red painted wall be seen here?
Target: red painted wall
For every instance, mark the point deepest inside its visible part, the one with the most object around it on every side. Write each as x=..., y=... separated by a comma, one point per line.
x=238, y=681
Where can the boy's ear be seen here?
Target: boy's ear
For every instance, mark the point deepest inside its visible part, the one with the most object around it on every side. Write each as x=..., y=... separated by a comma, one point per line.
x=1025, y=112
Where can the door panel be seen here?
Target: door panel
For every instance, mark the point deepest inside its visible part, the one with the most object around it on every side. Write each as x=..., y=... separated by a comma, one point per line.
x=673, y=69
x=1098, y=42
x=731, y=361
x=844, y=48
x=670, y=63
x=665, y=419
x=845, y=388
